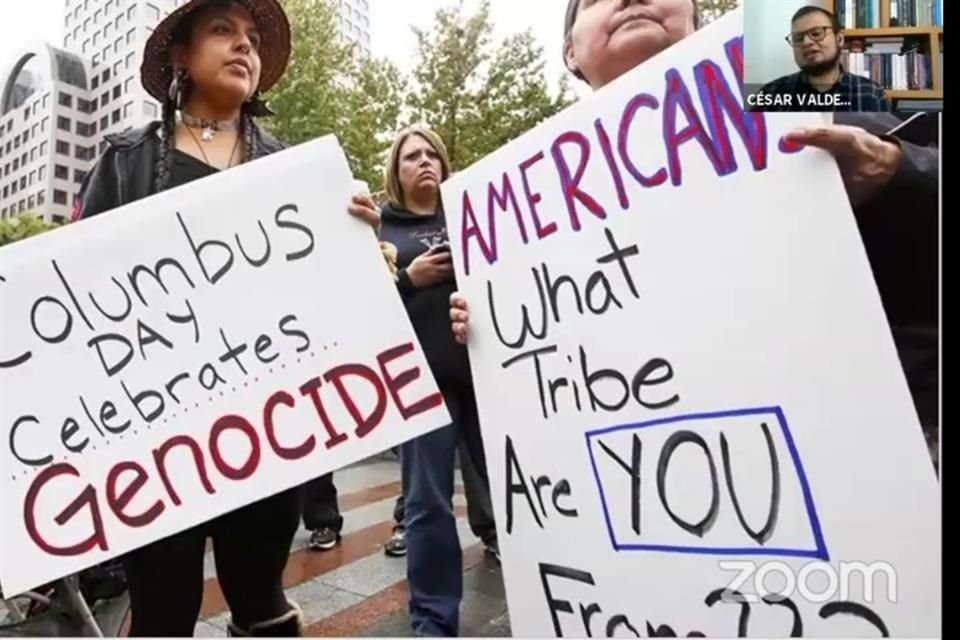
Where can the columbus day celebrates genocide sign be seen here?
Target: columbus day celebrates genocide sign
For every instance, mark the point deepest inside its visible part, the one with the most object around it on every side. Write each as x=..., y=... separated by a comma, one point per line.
x=191, y=353
x=685, y=375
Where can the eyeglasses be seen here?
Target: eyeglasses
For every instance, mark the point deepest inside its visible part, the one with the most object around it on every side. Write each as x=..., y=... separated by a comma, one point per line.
x=816, y=34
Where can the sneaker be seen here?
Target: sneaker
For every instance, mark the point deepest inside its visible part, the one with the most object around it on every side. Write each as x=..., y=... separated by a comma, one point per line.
x=397, y=544
x=324, y=539
x=493, y=548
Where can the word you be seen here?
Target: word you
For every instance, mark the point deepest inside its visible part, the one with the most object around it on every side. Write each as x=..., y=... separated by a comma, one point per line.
x=633, y=467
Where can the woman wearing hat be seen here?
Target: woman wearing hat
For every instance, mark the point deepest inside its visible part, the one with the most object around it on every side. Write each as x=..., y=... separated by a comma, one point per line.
x=207, y=63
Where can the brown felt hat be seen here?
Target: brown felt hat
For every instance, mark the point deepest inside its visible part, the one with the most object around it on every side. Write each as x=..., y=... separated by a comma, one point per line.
x=156, y=72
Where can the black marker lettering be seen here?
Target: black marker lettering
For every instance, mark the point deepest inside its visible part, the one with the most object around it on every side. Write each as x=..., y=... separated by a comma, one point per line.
x=232, y=353
x=73, y=298
x=210, y=377
x=513, y=464
x=527, y=328
x=33, y=462
x=173, y=384
x=206, y=245
x=67, y=323
x=535, y=354
x=116, y=364
x=190, y=317
x=766, y=531
x=619, y=256
x=258, y=262
x=156, y=274
x=119, y=317
x=674, y=441
x=857, y=610
x=286, y=224
x=633, y=469
x=147, y=335
x=297, y=333
x=553, y=604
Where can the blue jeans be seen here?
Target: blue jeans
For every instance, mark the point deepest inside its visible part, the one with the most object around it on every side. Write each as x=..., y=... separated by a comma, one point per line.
x=434, y=558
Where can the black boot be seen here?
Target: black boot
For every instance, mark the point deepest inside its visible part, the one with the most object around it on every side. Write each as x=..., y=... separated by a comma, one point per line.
x=289, y=625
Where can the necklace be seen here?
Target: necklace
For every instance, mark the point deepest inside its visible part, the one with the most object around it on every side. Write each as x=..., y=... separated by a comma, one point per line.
x=233, y=151
x=209, y=127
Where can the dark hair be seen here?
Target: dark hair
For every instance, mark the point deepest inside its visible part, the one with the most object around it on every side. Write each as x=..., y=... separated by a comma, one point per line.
x=573, y=9
x=168, y=122
x=807, y=10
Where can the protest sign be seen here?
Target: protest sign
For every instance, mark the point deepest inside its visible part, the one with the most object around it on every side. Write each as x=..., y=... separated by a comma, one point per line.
x=191, y=353
x=693, y=412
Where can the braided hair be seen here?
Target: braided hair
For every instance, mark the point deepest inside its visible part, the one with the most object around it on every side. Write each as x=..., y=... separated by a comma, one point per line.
x=162, y=169
x=169, y=108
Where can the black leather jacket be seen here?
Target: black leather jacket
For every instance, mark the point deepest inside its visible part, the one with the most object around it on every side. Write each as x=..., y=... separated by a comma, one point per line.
x=125, y=171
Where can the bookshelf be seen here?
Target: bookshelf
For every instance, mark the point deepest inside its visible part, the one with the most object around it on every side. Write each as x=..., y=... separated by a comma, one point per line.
x=876, y=27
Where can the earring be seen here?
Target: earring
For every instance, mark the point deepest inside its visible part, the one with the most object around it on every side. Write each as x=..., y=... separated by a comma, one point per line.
x=175, y=92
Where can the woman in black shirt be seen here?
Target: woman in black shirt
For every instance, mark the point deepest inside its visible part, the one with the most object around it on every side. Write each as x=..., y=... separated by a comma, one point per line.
x=207, y=63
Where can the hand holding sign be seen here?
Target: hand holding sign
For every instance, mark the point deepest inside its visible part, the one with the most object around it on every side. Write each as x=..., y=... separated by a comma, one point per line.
x=867, y=162
x=677, y=375
x=191, y=375
x=459, y=317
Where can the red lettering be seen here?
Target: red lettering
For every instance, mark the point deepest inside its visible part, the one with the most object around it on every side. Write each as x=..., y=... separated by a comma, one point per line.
x=534, y=198
x=311, y=389
x=87, y=498
x=629, y=114
x=501, y=201
x=570, y=183
x=160, y=457
x=469, y=228
x=398, y=382
x=607, y=149
x=717, y=99
x=364, y=424
x=285, y=453
x=119, y=503
x=734, y=50
x=678, y=96
x=241, y=424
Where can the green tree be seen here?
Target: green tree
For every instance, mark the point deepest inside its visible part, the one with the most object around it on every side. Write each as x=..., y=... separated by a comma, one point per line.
x=476, y=95
x=309, y=100
x=710, y=10
x=373, y=102
x=23, y=226
x=330, y=88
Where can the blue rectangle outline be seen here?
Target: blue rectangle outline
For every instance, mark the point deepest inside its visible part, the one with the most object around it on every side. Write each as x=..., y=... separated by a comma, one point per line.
x=820, y=552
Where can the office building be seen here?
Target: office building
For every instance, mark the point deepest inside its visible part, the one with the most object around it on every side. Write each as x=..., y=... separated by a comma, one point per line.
x=354, y=22
x=58, y=102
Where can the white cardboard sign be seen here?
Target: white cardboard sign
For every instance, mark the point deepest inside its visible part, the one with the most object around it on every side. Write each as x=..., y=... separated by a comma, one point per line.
x=689, y=393
x=193, y=352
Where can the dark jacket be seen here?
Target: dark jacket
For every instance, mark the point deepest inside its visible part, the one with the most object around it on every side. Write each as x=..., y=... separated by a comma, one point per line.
x=125, y=171
x=900, y=231
x=412, y=235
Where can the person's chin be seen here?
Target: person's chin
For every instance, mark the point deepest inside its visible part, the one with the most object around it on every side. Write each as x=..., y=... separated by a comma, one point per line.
x=637, y=44
x=234, y=88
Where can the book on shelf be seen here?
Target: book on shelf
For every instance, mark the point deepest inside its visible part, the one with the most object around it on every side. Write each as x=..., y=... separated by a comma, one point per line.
x=893, y=63
x=865, y=14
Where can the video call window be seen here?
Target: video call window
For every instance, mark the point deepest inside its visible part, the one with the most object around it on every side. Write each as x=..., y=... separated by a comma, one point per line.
x=843, y=55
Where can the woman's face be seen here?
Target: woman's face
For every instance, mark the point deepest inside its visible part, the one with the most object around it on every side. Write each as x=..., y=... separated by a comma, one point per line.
x=420, y=169
x=611, y=37
x=222, y=58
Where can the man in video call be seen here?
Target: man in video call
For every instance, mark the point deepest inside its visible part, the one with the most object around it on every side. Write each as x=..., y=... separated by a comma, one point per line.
x=821, y=84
